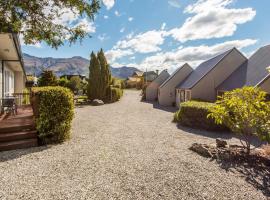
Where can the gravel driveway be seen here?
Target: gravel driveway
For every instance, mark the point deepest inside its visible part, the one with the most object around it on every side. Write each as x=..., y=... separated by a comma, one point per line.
x=126, y=150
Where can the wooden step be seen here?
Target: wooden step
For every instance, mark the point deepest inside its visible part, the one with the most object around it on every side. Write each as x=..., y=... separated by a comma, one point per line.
x=7, y=137
x=17, y=128
x=20, y=144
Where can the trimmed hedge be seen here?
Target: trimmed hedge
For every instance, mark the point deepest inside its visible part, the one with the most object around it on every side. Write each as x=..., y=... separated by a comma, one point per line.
x=114, y=94
x=54, y=111
x=194, y=114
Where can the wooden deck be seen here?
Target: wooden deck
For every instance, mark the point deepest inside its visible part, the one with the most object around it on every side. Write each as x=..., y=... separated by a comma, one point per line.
x=23, y=117
x=18, y=131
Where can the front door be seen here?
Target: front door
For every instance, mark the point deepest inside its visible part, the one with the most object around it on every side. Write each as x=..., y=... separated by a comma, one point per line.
x=182, y=96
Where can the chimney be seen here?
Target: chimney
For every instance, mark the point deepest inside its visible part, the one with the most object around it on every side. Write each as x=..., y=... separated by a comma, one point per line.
x=157, y=71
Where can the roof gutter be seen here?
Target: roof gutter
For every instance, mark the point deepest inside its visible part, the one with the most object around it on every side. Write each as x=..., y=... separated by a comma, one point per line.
x=18, y=49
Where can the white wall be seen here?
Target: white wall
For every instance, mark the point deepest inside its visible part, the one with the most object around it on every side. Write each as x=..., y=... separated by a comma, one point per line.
x=9, y=79
x=205, y=89
x=167, y=92
x=152, y=88
x=19, y=82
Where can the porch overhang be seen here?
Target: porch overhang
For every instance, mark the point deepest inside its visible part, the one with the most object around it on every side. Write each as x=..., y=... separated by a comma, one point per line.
x=10, y=55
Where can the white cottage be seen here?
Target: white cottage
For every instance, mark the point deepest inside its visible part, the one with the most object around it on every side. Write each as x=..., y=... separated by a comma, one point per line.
x=152, y=88
x=166, y=94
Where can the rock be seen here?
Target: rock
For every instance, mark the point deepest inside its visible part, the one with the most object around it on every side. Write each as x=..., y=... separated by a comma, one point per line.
x=221, y=143
x=201, y=149
x=97, y=102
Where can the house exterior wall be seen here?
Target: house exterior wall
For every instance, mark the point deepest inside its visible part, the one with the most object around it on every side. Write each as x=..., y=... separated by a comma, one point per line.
x=205, y=89
x=167, y=92
x=1, y=82
x=9, y=81
x=19, y=82
x=265, y=86
x=152, y=88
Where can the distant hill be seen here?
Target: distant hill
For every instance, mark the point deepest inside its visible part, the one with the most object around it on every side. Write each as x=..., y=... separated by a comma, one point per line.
x=74, y=65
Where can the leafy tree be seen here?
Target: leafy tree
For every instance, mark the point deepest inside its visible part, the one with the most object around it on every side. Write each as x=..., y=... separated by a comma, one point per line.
x=94, y=78
x=245, y=112
x=64, y=82
x=37, y=20
x=47, y=78
x=75, y=84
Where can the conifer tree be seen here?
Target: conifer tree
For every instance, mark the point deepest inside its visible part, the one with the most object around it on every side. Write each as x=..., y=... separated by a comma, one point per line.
x=94, y=78
x=99, y=76
x=105, y=73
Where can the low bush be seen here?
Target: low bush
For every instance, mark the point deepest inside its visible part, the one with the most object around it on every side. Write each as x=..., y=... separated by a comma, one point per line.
x=114, y=94
x=194, y=114
x=54, y=111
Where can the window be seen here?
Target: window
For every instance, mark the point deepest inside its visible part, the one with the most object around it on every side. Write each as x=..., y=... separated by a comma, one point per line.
x=188, y=95
x=8, y=83
x=182, y=95
x=220, y=93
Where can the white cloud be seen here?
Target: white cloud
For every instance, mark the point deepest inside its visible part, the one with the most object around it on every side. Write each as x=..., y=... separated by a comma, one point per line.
x=193, y=55
x=70, y=18
x=108, y=3
x=114, y=54
x=130, y=19
x=106, y=17
x=212, y=19
x=163, y=26
x=174, y=3
x=122, y=30
x=117, y=13
x=103, y=37
x=143, y=43
x=86, y=25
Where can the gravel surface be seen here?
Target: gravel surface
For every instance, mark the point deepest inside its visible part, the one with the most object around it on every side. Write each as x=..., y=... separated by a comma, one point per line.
x=126, y=150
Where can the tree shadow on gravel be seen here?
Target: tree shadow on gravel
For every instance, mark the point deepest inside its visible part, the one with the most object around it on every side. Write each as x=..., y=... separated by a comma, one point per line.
x=256, y=171
x=15, y=154
x=216, y=134
x=156, y=105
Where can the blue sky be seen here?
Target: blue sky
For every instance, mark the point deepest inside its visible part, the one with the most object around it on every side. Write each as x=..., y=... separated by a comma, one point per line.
x=164, y=34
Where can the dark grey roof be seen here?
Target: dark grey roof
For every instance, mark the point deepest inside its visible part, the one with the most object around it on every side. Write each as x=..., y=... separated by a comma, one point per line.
x=236, y=80
x=174, y=73
x=257, y=65
x=251, y=73
x=149, y=73
x=203, y=69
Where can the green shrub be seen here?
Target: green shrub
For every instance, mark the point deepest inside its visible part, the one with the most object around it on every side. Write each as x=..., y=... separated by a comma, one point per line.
x=54, y=111
x=194, y=114
x=246, y=112
x=114, y=94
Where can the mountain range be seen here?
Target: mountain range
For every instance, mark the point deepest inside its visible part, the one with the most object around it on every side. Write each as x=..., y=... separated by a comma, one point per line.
x=67, y=66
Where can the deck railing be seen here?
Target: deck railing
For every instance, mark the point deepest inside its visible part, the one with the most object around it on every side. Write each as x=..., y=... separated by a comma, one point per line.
x=22, y=98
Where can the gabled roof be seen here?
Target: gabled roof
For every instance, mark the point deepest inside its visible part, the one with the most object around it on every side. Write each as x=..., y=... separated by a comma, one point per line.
x=137, y=73
x=257, y=66
x=149, y=73
x=164, y=72
x=202, y=70
x=251, y=73
x=175, y=73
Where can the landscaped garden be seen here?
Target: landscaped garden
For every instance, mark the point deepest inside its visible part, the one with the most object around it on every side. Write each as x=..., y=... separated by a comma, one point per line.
x=245, y=112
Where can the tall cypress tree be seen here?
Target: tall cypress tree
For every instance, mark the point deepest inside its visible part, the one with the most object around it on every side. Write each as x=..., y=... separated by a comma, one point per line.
x=94, y=78
x=105, y=73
